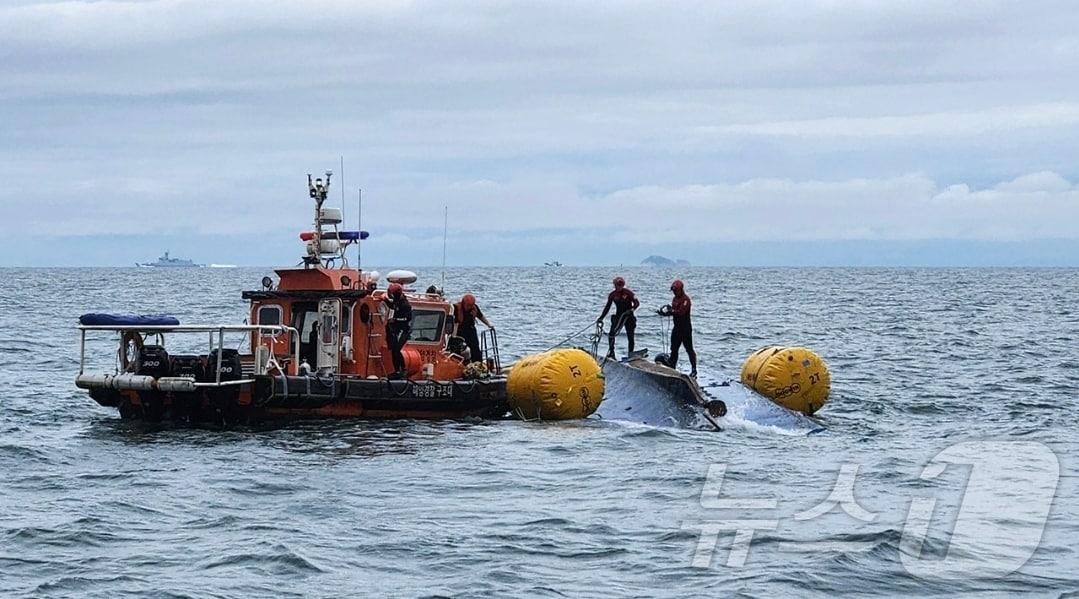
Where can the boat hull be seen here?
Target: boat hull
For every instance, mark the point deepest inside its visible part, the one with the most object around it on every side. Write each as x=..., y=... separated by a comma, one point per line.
x=643, y=392
x=648, y=393
x=297, y=397
x=151, y=265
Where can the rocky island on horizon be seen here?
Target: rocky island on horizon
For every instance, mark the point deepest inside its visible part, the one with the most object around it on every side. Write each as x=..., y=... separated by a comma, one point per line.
x=663, y=261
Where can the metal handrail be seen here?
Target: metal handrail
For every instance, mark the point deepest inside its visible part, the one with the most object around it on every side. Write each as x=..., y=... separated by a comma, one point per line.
x=490, y=348
x=188, y=328
x=220, y=329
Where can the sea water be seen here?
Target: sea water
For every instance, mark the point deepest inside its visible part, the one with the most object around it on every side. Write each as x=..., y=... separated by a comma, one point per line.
x=952, y=389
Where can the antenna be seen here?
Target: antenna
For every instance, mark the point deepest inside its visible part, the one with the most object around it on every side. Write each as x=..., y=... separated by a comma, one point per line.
x=359, y=227
x=445, y=234
x=344, y=258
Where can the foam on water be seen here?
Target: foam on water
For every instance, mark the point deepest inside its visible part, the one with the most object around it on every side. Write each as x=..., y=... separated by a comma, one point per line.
x=749, y=410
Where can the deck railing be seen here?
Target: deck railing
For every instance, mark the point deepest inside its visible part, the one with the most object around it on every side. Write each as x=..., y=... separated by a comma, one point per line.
x=265, y=332
x=490, y=351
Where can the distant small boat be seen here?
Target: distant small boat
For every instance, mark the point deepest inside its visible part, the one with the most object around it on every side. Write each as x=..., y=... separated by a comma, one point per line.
x=222, y=266
x=168, y=262
x=556, y=263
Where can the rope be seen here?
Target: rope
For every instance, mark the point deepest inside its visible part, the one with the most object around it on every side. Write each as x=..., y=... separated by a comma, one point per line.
x=597, y=335
x=617, y=328
x=404, y=391
x=574, y=335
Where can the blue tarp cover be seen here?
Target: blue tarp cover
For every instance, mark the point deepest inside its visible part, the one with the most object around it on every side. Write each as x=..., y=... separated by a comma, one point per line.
x=127, y=320
x=352, y=235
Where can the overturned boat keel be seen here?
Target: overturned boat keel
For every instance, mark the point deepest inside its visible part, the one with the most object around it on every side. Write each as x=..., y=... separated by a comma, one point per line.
x=648, y=393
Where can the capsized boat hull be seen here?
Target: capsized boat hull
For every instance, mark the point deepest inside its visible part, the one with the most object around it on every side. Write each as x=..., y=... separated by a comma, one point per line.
x=638, y=391
x=648, y=393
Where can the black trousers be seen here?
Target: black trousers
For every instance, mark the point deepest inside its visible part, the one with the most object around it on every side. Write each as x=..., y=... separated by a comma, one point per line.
x=472, y=340
x=682, y=335
x=396, y=337
x=627, y=320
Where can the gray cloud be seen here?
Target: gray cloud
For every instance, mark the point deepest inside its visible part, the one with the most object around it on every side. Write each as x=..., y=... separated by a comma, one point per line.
x=180, y=117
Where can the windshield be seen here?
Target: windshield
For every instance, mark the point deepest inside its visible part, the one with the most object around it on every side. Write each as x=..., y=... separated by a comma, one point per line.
x=427, y=325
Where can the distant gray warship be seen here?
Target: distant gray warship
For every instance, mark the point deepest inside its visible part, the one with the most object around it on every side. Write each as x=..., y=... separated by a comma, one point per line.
x=167, y=262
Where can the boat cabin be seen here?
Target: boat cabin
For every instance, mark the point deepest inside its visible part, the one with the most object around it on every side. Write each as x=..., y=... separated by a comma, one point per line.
x=340, y=318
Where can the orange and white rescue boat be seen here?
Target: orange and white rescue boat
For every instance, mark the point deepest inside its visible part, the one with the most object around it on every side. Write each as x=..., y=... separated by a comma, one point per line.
x=316, y=349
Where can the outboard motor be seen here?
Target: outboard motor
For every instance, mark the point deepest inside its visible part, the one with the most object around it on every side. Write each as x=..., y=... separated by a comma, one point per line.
x=153, y=361
x=223, y=399
x=231, y=369
x=187, y=366
x=186, y=406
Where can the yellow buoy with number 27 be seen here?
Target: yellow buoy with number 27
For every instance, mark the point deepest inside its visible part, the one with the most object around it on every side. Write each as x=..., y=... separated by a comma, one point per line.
x=793, y=377
x=560, y=384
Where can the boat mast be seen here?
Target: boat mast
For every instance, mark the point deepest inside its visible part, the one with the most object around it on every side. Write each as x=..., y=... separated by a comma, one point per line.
x=445, y=234
x=359, y=227
x=344, y=257
x=318, y=192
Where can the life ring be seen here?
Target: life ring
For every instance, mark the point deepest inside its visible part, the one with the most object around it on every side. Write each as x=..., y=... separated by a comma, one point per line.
x=131, y=343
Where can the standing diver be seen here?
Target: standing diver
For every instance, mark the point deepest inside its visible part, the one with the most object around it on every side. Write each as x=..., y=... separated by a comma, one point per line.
x=625, y=302
x=399, y=328
x=465, y=314
x=682, y=332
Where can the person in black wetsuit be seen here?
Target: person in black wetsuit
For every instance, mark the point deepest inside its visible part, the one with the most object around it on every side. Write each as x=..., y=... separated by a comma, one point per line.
x=399, y=327
x=311, y=355
x=682, y=332
x=625, y=302
x=465, y=315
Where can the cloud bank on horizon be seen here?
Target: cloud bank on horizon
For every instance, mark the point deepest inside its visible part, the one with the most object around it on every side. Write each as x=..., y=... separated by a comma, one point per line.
x=590, y=133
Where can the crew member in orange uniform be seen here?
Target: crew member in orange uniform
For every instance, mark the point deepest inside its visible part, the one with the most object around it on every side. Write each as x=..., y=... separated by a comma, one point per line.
x=625, y=302
x=465, y=315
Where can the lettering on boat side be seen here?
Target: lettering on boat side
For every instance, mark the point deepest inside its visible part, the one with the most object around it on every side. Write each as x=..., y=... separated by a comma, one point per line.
x=432, y=390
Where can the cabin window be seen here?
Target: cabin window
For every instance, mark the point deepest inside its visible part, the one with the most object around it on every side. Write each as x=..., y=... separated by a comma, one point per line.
x=303, y=320
x=427, y=325
x=269, y=315
x=328, y=328
x=346, y=319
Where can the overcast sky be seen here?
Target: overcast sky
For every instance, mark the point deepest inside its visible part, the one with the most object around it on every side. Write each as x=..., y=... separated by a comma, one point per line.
x=795, y=132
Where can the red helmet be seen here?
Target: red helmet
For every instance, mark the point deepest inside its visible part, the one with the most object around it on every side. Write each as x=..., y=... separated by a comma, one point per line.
x=394, y=289
x=619, y=282
x=468, y=300
x=677, y=286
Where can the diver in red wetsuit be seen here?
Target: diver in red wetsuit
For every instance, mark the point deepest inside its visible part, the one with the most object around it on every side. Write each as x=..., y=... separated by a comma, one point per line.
x=682, y=332
x=625, y=302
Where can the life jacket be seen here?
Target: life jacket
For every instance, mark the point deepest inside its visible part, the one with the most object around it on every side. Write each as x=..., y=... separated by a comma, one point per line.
x=466, y=316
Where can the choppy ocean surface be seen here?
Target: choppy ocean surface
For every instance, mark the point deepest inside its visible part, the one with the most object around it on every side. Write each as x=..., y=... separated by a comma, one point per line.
x=922, y=360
